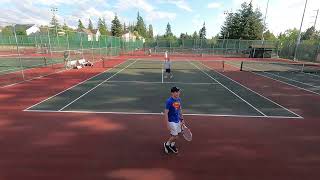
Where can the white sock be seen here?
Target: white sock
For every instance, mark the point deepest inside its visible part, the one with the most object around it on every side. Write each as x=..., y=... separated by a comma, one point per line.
x=167, y=143
x=172, y=144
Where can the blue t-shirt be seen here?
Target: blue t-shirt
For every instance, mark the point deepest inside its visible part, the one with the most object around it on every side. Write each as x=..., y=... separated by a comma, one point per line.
x=174, y=107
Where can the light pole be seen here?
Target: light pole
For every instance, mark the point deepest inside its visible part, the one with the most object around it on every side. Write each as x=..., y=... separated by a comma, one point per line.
x=316, y=18
x=264, y=21
x=226, y=33
x=299, y=36
x=53, y=10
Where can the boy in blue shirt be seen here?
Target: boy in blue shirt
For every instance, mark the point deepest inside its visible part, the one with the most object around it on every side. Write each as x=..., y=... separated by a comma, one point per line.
x=174, y=119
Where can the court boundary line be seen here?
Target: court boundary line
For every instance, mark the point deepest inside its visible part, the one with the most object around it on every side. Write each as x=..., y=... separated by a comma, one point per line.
x=253, y=91
x=229, y=90
x=284, y=77
x=314, y=75
x=291, y=79
x=301, y=88
x=138, y=113
x=96, y=86
x=75, y=85
x=259, y=74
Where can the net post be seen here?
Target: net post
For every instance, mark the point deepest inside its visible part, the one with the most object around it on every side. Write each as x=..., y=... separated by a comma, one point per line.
x=45, y=61
x=241, y=66
x=222, y=66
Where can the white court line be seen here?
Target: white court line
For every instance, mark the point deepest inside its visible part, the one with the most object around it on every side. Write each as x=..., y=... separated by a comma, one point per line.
x=156, y=82
x=282, y=81
x=283, y=77
x=286, y=83
x=315, y=75
x=185, y=114
x=252, y=90
x=292, y=79
x=75, y=85
x=96, y=86
x=229, y=90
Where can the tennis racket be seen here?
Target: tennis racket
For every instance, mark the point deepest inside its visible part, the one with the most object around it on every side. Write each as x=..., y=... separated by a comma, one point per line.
x=186, y=132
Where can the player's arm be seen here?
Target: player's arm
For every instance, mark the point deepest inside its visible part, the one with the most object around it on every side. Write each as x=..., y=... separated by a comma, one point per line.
x=166, y=119
x=166, y=113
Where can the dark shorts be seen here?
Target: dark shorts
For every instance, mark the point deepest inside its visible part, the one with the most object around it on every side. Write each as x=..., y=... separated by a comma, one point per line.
x=168, y=70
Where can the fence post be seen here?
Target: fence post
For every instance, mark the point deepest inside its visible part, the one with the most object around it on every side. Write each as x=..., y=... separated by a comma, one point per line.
x=81, y=45
x=317, y=52
x=50, y=48
x=18, y=51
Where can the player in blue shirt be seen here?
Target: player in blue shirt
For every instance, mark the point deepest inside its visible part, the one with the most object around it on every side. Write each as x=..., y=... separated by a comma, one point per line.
x=174, y=119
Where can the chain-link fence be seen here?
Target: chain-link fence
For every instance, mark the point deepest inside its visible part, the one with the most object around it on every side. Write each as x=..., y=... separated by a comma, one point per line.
x=39, y=51
x=307, y=50
x=212, y=47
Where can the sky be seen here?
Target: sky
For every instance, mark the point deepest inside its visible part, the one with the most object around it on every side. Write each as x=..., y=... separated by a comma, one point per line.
x=183, y=15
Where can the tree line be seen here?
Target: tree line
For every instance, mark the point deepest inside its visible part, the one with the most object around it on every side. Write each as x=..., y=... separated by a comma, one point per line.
x=246, y=24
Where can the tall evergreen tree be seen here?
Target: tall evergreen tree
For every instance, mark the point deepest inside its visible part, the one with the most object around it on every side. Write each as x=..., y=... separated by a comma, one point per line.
x=140, y=26
x=195, y=35
x=80, y=25
x=54, y=21
x=168, y=31
x=90, y=25
x=102, y=26
x=245, y=23
x=203, y=32
x=116, y=27
x=7, y=31
x=125, y=28
x=65, y=26
x=150, y=32
x=310, y=32
x=269, y=36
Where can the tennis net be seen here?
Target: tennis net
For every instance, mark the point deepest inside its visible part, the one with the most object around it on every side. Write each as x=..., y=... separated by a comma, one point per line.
x=175, y=65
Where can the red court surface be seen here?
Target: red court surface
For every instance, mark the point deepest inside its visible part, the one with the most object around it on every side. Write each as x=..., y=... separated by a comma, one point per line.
x=76, y=146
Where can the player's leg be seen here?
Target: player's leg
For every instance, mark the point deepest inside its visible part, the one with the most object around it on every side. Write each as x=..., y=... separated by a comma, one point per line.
x=170, y=145
x=167, y=73
x=170, y=74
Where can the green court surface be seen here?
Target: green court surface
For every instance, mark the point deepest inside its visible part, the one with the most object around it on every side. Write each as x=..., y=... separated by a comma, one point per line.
x=139, y=87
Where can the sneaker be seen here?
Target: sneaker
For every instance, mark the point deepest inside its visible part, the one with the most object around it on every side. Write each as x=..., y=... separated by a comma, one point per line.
x=167, y=149
x=174, y=149
x=171, y=76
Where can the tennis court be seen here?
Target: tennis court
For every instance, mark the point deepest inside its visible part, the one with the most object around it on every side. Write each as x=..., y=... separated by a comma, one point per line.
x=299, y=75
x=12, y=64
x=138, y=86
